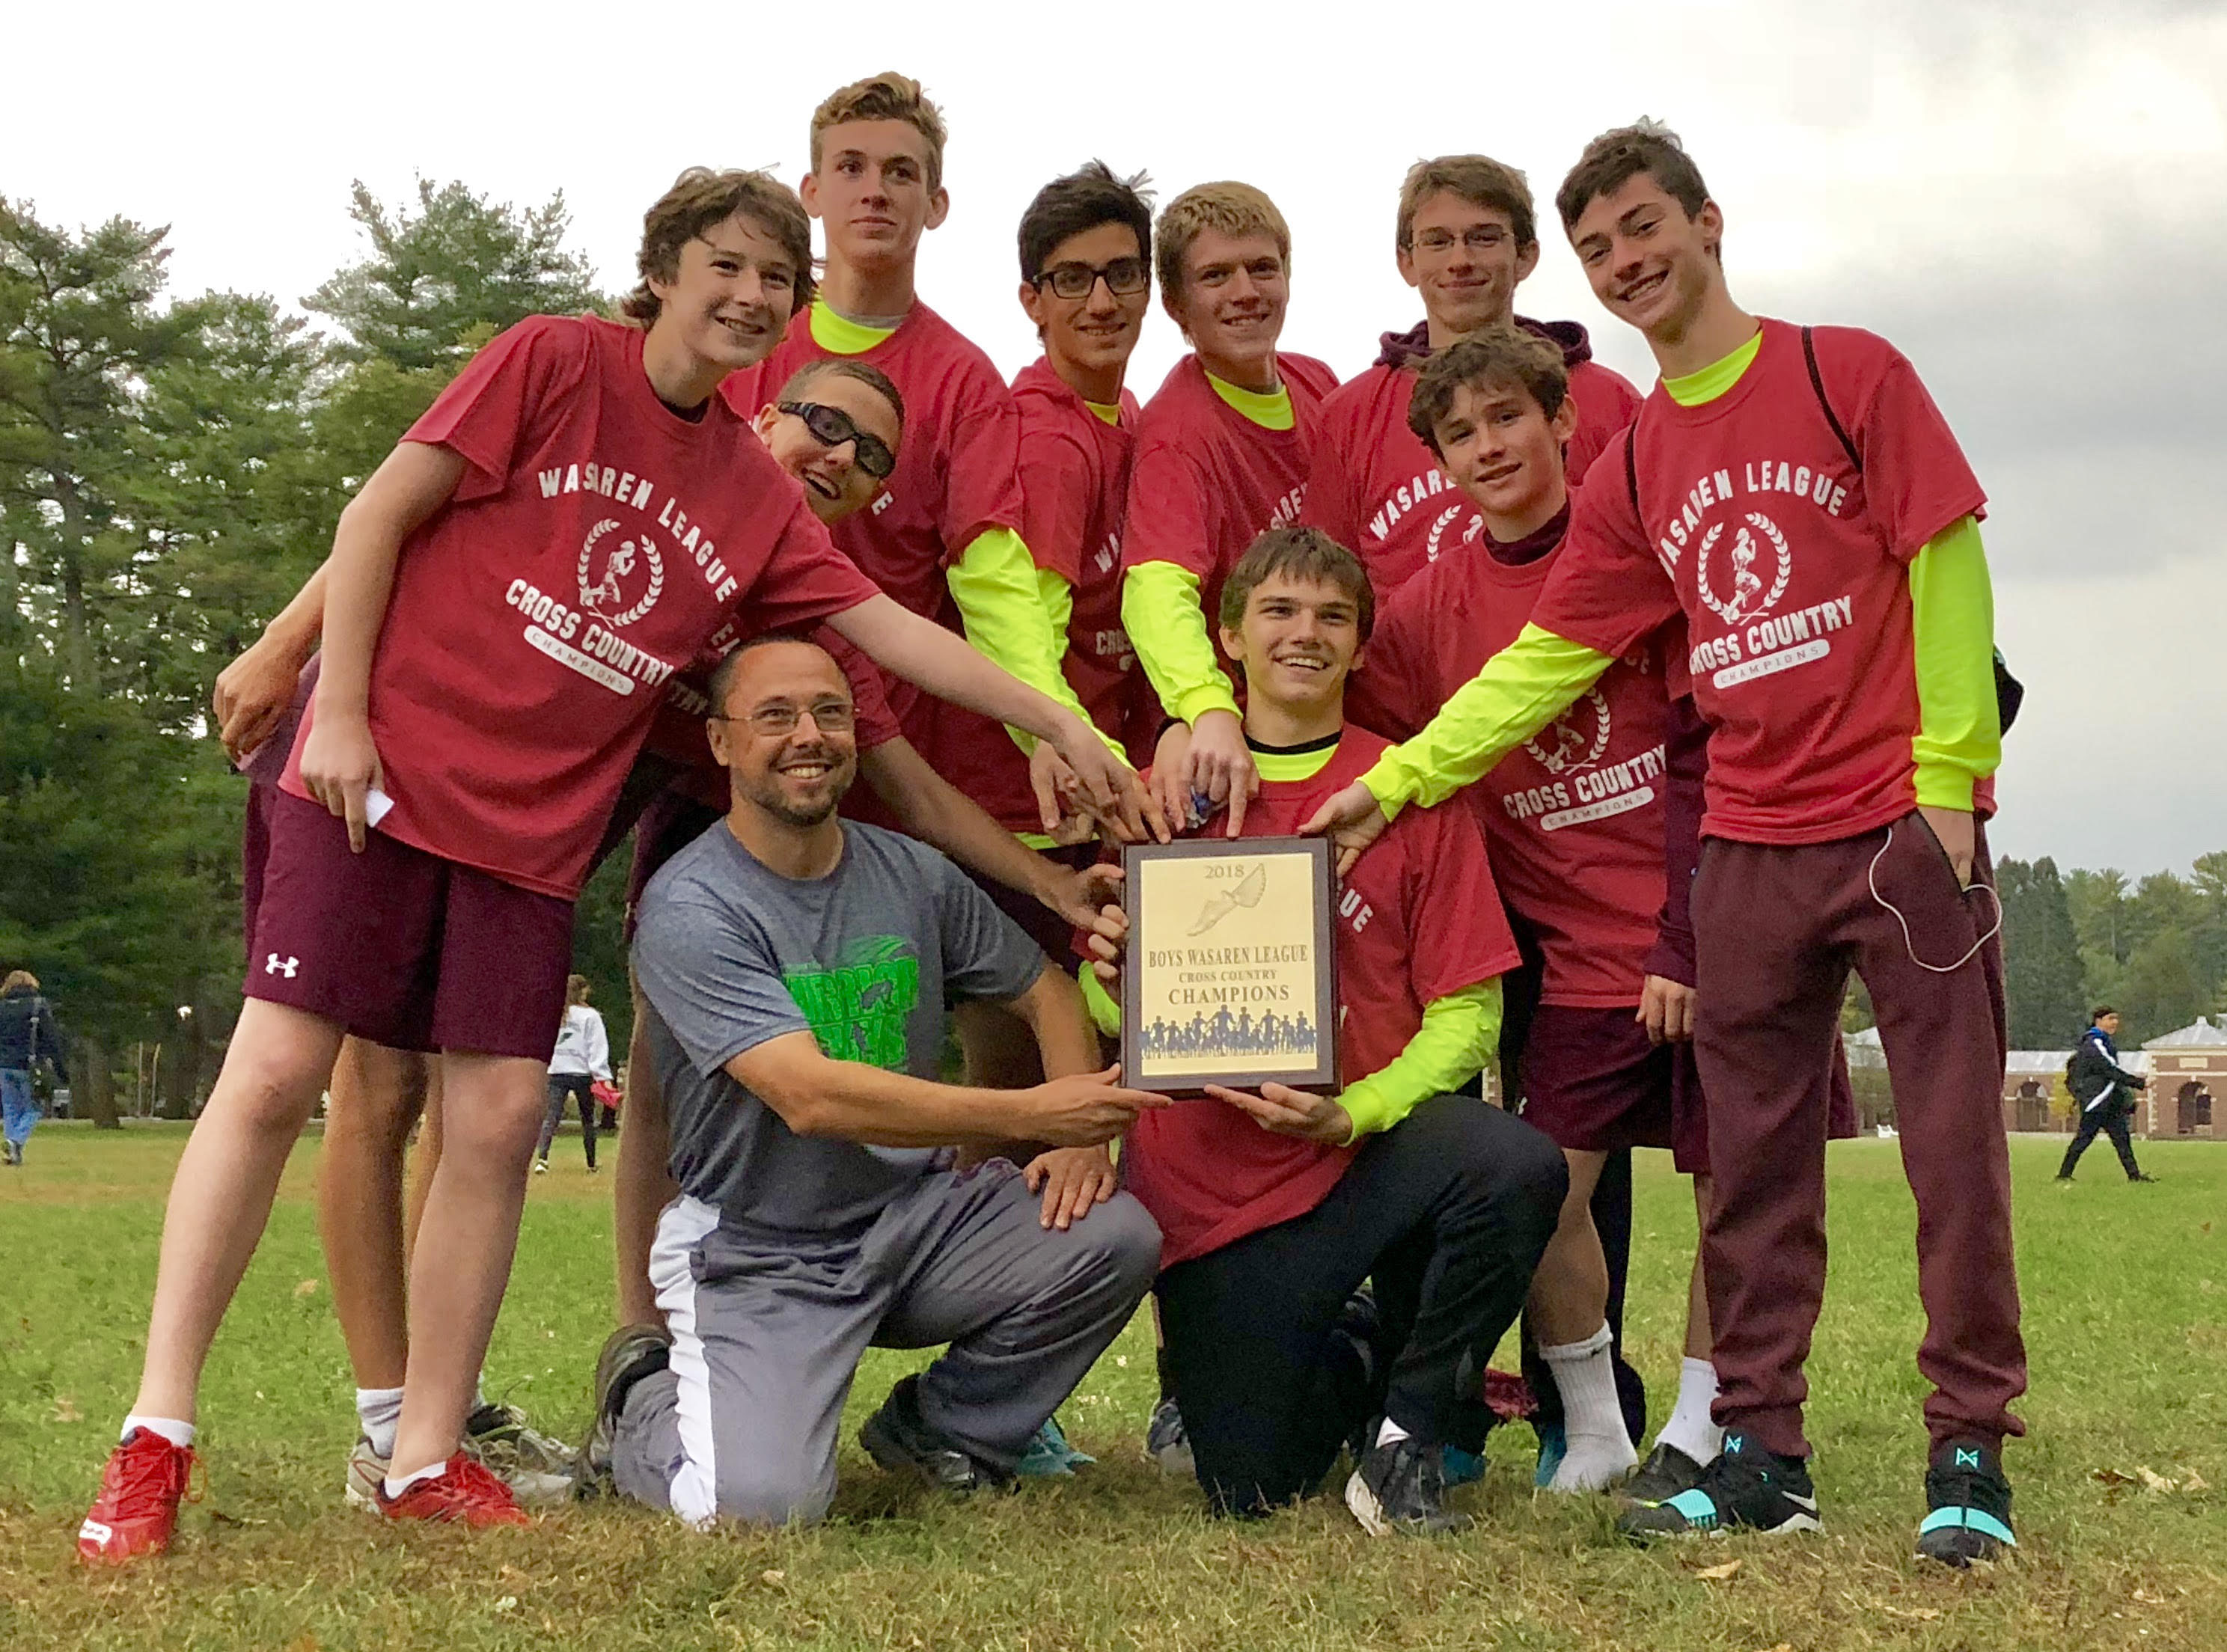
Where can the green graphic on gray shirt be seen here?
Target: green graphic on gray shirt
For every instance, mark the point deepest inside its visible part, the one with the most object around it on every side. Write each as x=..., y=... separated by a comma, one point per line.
x=859, y=1009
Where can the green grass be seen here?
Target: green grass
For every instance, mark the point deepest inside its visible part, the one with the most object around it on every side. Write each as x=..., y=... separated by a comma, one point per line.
x=2126, y=1292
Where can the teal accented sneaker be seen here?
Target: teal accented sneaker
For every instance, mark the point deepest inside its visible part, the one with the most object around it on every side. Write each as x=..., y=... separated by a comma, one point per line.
x=1666, y=1472
x=1401, y=1486
x=1745, y=1489
x=1049, y=1455
x=1554, y=1445
x=1969, y=1502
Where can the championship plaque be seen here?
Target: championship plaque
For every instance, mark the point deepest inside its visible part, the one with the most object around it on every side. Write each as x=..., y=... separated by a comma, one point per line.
x=1231, y=974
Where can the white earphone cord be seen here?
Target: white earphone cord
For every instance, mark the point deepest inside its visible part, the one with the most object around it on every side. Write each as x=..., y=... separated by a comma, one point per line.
x=1871, y=877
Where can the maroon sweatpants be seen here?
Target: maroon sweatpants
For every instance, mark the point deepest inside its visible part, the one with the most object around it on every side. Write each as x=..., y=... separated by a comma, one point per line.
x=1777, y=931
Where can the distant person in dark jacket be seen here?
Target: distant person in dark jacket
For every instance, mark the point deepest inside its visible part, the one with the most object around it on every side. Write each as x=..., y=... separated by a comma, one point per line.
x=2104, y=1093
x=28, y=1034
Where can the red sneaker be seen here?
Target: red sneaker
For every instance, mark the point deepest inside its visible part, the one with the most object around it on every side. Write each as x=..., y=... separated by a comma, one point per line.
x=137, y=1507
x=462, y=1490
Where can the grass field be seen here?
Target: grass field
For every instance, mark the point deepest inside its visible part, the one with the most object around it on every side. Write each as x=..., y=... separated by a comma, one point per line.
x=2126, y=1293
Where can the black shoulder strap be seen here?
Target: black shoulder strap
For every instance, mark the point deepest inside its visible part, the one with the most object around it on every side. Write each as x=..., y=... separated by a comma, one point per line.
x=1632, y=468
x=1817, y=384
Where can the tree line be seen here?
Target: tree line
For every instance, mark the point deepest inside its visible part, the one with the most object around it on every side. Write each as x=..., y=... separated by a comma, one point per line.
x=171, y=470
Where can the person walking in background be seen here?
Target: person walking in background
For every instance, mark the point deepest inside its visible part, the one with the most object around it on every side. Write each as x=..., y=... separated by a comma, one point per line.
x=2104, y=1093
x=28, y=1034
x=583, y=1055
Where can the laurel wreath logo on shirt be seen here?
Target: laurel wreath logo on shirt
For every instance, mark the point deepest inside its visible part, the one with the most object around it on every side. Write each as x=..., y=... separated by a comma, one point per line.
x=1575, y=746
x=1445, y=520
x=1746, y=582
x=603, y=596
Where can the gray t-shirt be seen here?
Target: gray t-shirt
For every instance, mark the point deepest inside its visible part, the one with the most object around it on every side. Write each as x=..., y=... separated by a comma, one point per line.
x=730, y=954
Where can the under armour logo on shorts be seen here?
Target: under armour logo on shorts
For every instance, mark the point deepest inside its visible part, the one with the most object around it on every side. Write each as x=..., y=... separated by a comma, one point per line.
x=272, y=966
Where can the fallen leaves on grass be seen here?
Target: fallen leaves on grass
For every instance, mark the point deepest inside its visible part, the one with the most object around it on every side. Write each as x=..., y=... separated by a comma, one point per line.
x=66, y=1410
x=307, y=1288
x=1910, y=1614
x=1719, y=1573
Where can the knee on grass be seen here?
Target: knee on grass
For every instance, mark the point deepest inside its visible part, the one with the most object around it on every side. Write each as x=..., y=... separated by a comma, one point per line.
x=775, y=1489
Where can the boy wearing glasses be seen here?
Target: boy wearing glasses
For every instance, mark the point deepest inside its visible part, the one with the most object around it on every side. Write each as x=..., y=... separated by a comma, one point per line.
x=1086, y=247
x=944, y=538
x=1467, y=235
x=798, y=966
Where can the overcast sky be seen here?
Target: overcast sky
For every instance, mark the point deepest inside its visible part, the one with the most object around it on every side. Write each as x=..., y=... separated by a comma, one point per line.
x=2029, y=199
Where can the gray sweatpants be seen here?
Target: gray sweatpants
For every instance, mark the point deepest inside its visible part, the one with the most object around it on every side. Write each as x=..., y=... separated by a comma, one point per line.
x=768, y=1325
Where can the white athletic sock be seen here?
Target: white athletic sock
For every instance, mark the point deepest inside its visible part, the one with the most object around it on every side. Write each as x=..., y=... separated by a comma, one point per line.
x=1691, y=1429
x=398, y=1483
x=1389, y=1432
x=1599, y=1451
x=380, y=1412
x=178, y=1433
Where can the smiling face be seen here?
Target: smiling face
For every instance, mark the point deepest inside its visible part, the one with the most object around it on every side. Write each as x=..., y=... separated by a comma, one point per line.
x=1500, y=447
x=1649, y=264
x=871, y=191
x=1091, y=338
x=1466, y=261
x=730, y=296
x=785, y=731
x=1231, y=304
x=1299, y=638
x=835, y=484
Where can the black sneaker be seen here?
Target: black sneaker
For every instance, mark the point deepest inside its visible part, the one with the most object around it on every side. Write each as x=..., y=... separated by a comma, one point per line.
x=1969, y=1505
x=1746, y=1488
x=2143, y=1176
x=629, y=1353
x=1168, y=1443
x=900, y=1441
x=1402, y=1488
x=1666, y=1472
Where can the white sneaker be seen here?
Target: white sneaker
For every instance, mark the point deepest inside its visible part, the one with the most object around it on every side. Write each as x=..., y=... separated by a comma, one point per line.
x=541, y=1167
x=366, y=1473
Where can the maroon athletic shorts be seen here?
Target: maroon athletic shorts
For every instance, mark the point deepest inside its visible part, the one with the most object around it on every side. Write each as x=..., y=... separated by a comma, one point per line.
x=1039, y=921
x=401, y=947
x=1594, y=1084
x=254, y=850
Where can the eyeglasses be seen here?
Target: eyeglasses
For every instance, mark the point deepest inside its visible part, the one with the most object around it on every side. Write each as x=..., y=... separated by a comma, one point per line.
x=1124, y=278
x=831, y=427
x=778, y=722
x=1478, y=238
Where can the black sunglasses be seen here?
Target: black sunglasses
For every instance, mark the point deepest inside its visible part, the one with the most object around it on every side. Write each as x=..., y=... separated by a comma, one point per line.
x=831, y=427
x=1124, y=278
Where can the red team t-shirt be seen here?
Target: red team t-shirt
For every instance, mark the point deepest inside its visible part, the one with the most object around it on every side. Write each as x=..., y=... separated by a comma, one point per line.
x=1792, y=572
x=596, y=541
x=1075, y=486
x=1073, y=469
x=1573, y=816
x=1208, y=481
x=1377, y=489
x=1417, y=919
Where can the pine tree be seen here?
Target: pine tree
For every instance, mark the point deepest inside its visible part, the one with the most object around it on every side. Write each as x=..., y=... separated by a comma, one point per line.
x=2042, y=973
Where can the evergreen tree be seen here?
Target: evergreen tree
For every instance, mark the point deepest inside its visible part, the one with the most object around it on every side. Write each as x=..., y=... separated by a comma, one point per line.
x=2042, y=976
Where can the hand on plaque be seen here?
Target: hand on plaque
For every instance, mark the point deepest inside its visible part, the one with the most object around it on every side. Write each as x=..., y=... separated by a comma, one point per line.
x=1108, y=939
x=1283, y=1111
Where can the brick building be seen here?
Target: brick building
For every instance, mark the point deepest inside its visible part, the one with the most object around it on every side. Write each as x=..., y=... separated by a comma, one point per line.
x=2187, y=1071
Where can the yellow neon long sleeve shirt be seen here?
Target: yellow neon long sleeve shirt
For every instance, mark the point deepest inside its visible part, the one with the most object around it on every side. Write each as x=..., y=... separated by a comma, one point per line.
x=1952, y=615
x=1458, y=1036
x=1520, y=689
x=1002, y=607
x=1161, y=611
